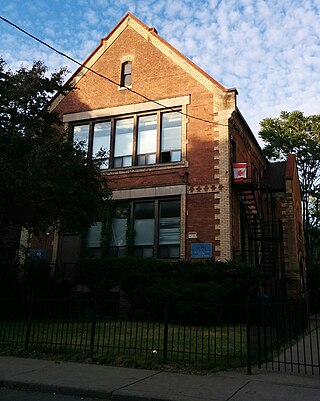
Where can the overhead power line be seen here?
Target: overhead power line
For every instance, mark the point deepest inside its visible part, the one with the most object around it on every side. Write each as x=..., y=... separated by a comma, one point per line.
x=104, y=76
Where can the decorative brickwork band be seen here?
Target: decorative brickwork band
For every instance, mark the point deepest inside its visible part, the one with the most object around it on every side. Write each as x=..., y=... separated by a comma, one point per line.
x=203, y=189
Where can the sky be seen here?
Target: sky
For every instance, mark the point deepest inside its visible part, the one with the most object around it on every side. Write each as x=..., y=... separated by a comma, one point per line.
x=269, y=50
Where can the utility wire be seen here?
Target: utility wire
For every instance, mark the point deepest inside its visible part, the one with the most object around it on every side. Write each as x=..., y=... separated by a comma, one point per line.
x=105, y=77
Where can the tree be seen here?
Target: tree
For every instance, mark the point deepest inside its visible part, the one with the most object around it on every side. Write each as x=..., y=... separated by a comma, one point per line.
x=295, y=133
x=46, y=180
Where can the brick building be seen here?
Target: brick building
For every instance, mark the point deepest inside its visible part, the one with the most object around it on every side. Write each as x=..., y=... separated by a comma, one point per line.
x=186, y=173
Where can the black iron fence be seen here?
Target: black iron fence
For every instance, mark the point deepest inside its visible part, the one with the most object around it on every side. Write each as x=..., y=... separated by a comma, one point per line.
x=193, y=334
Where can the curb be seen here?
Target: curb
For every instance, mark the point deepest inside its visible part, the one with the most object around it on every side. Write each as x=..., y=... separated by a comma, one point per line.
x=51, y=388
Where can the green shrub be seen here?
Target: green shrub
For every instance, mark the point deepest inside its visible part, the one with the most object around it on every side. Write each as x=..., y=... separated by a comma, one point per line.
x=183, y=281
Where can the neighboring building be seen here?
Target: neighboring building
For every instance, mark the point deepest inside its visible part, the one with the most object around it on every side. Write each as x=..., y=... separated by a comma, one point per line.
x=188, y=173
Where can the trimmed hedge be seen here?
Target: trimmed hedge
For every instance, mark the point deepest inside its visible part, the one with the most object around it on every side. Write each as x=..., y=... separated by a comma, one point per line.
x=183, y=281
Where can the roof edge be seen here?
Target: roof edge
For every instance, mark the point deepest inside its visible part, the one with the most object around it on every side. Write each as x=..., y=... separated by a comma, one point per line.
x=252, y=136
x=151, y=31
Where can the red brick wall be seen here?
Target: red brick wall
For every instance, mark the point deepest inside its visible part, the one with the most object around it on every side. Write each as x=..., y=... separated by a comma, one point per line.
x=201, y=219
x=157, y=77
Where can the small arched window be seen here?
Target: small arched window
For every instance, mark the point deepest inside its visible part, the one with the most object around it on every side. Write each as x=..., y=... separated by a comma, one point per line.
x=126, y=73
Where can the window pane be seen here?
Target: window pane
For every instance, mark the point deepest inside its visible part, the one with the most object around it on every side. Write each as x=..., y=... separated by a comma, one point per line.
x=176, y=156
x=171, y=131
x=144, y=223
x=94, y=235
x=101, y=138
x=124, y=138
x=144, y=231
x=127, y=161
x=117, y=162
x=101, y=142
x=169, y=230
x=151, y=158
x=81, y=134
x=127, y=67
x=119, y=229
x=169, y=251
x=144, y=210
x=143, y=251
x=147, y=135
x=170, y=208
x=127, y=80
x=169, y=223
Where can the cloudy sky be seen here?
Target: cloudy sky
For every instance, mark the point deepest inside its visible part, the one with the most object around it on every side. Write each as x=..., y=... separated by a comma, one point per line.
x=269, y=50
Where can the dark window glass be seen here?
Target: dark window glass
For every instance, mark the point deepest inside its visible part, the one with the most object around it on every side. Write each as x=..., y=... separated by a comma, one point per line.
x=94, y=235
x=144, y=210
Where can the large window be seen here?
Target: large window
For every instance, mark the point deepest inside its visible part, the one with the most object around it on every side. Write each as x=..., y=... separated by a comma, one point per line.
x=157, y=229
x=135, y=140
x=154, y=225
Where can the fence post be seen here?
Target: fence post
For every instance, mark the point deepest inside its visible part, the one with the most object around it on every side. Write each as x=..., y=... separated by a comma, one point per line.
x=248, y=337
x=165, y=334
x=29, y=323
x=258, y=311
x=93, y=326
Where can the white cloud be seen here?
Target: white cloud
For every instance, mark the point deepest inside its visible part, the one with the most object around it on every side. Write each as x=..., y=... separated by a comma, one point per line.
x=269, y=50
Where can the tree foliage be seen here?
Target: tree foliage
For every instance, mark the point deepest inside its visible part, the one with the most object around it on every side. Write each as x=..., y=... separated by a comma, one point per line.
x=299, y=134
x=46, y=180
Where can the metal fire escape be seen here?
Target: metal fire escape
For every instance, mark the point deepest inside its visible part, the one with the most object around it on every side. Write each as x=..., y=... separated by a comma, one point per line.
x=250, y=201
x=265, y=235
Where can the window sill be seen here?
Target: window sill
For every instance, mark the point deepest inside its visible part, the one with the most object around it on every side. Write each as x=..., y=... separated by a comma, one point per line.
x=150, y=167
x=122, y=88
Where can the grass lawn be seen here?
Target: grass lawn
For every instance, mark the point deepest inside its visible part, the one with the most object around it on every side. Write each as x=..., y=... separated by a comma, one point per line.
x=129, y=342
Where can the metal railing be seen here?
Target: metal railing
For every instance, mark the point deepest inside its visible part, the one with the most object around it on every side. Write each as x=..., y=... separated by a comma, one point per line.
x=276, y=336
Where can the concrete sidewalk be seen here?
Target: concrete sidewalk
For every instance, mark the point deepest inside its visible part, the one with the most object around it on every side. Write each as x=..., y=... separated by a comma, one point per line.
x=115, y=383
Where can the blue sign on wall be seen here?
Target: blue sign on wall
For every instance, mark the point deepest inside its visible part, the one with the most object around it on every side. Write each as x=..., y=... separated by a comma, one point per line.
x=201, y=250
x=37, y=253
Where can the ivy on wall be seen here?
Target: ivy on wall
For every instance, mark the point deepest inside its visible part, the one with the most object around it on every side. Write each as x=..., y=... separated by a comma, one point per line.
x=109, y=212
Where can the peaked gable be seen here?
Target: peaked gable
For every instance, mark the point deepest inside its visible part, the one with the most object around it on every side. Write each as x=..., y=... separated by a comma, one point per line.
x=150, y=35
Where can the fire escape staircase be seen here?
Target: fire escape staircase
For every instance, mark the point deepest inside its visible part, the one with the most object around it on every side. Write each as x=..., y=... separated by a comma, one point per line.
x=264, y=237
x=250, y=202
x=264, y=234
